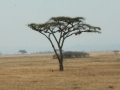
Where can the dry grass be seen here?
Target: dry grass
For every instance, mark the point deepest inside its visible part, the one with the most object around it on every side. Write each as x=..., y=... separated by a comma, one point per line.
x=40, y=72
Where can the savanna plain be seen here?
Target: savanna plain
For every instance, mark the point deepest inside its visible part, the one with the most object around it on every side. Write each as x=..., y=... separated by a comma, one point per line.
x=100, y=71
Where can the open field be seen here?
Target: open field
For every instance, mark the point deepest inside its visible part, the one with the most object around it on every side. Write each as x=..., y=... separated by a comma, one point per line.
x=101, y=71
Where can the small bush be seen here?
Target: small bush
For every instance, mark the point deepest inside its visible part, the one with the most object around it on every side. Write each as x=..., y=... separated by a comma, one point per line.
x=70, y=54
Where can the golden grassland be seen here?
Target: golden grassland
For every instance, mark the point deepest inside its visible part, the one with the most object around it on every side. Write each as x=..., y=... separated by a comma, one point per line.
x=101, y=71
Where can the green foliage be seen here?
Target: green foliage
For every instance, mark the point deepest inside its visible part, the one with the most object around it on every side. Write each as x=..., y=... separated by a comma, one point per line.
x=66, y=25
x=67, y=19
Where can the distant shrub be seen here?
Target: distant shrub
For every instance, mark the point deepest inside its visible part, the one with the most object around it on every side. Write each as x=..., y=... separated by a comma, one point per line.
x=116, y=52
x=0, y=53
x=70, y=54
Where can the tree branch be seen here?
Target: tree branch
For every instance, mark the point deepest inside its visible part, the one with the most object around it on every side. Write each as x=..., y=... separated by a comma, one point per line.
x=52, y=45
x=69, y=35
x=63, y=42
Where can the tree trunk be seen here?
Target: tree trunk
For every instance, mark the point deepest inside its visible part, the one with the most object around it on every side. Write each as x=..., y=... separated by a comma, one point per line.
x=61, y=65
x=61, y=68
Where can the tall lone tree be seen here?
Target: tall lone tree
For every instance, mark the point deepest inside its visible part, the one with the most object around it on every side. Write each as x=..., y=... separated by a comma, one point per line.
x=66, y=27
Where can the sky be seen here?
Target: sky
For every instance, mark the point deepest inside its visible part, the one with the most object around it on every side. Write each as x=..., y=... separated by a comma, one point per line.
x=15, y=15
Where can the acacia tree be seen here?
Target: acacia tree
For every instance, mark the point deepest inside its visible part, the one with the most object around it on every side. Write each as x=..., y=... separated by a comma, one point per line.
x=22, y=51
x=66, y=27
